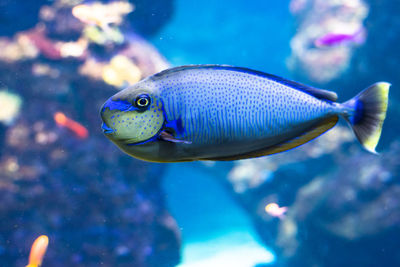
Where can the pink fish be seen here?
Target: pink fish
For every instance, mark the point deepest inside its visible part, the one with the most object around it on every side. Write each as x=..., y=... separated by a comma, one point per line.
x=46, y=47
x=335, y=39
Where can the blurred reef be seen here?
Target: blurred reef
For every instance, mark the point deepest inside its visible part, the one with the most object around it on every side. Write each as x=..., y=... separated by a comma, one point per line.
x=347, y=68
x=341, y=203
x=59, y=176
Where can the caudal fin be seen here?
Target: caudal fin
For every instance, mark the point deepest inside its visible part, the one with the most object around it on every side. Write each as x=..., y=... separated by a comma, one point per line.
x=369, y=111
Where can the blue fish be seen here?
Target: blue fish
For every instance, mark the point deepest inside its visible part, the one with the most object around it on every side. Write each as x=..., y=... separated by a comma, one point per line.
x=218, y=112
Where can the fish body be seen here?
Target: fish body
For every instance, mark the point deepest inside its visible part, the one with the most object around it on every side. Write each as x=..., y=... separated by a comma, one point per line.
x=214, y=112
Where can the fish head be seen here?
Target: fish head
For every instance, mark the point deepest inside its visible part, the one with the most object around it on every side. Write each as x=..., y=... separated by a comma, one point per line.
x=133, y=115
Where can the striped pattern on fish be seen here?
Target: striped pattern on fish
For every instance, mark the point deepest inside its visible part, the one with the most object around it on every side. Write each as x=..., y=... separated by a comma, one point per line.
x=218, y=106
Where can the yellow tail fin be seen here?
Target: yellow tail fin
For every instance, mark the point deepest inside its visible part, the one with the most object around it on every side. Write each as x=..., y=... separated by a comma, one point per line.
x=370, y=108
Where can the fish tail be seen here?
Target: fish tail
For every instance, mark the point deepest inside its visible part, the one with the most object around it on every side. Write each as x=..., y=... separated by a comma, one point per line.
x=366, y=112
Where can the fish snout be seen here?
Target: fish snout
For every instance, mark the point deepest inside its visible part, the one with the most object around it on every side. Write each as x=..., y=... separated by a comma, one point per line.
x=106, y=129
x=105, y=117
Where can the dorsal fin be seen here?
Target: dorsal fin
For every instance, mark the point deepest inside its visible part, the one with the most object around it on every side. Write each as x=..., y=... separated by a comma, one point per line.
x=307, y=136
x=318, y=93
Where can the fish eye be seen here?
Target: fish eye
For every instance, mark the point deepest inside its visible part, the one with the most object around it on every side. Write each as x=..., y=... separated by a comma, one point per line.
x=142, y=101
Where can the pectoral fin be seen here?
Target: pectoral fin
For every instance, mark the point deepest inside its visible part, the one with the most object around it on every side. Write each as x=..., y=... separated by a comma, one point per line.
x=168, y=137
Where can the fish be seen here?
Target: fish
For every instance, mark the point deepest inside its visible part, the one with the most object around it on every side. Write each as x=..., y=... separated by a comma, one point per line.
x=274, y=210
x=223, y=113
x=38, y=251
x=78, y=129
x=335, y=39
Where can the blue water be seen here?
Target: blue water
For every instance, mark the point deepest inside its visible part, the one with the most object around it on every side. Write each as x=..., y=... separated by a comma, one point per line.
x=229, y=32
x=215, y=229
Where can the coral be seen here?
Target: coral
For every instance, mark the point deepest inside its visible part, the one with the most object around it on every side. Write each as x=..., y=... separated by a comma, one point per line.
x=323, y=18
x=249, y=174
x=92, y=68
x=102, y=14
x=340, y=200
x=97, y=206
x=74, y=49
x=96, y=35
x=98, y=17
x=121, y=71
x=10, y=106
x=18, y=49
x=355, y=204
x=136, y=60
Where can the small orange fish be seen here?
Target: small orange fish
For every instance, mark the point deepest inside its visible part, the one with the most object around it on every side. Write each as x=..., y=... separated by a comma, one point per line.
x=62, y=120
x=38, y=250
x=274, y=210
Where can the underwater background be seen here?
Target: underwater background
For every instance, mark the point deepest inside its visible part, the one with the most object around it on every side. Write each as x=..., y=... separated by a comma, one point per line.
x=327, y=203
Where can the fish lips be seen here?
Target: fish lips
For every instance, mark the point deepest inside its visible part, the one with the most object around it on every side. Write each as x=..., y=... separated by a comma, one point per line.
x=106, y=130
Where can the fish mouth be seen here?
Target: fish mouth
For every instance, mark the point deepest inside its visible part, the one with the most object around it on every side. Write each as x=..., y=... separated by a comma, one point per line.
x=106, y=129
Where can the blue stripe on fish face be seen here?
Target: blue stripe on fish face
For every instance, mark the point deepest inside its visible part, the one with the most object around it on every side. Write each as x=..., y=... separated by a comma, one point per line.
x=121, y=105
